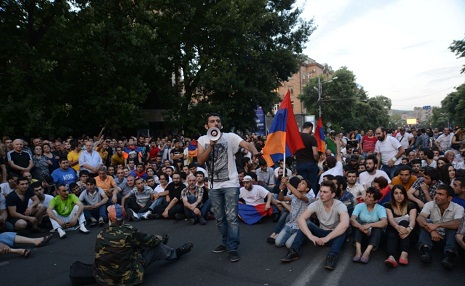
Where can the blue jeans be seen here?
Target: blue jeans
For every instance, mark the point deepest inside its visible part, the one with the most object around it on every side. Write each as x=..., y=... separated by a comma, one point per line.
x=281, y=222
x=448, y=242
x=156, y=203
x=309, y=171
x=390, y=171
x=225, y=209
x=100, y=212
x=336, y=243
x=204, y=209
x=286, y=236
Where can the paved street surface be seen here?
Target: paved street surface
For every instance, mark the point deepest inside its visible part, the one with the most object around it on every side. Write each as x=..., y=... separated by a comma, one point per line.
x=260, y=262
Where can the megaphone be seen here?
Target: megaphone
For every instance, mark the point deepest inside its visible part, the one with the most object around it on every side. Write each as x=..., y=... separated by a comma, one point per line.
x=214, y=134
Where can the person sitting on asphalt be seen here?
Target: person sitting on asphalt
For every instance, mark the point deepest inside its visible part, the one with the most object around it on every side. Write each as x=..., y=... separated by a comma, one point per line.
x=254, y=207
x=300, y=198
x=334, y=222
x=459, y=189
x=66, y=211
x=439, y=221
x=192, y=198
x=139, y=200
x=20, y=215
x=424, y=188
x=401, y=214
x=371, y=172
x=65, y=174
x=173, y=206
x=94, y=200
x=123, y=254
x=139, y=172
x=368, y=221
x=460, y=236
x=8, y=240
x=105, y=182
x=404, y=178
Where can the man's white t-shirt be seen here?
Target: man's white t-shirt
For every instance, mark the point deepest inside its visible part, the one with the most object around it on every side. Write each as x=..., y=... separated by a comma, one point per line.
x=366, y=178
x=388, y=150
x=254, y=197
x=337, y=170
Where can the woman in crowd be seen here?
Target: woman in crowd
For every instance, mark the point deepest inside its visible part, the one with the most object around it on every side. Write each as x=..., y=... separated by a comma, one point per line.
x=401, y=214
x=47, y=151
x=381, y=183
x=41, y=164
x=151, y=174
x=441, y=162
x=368, y=221
x=447, y=174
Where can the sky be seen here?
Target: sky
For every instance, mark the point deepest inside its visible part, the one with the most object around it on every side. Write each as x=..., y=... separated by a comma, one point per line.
x=395, y=48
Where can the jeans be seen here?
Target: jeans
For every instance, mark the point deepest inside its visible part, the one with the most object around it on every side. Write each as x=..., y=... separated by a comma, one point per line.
x=100, y=212
x=309, y=171
x=281, y=222
x=158, y=252
x=204, y=209
x=336, y=243
x=372, y=239
x=286, y=236
x=391, y=171
x=225, y=210
x=448, y=241
x=156, y=203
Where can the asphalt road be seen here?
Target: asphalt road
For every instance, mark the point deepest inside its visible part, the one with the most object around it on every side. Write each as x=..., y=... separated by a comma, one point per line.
x=260, y=262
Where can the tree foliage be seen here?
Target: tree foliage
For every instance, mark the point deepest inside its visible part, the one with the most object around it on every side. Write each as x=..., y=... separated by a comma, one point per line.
x=345, y=104
x=74, y=66
x=451, y=111
x=458, y=47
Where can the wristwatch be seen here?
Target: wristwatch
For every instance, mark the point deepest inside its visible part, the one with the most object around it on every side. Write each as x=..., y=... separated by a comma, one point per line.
x=394, y=158
x=409, y=227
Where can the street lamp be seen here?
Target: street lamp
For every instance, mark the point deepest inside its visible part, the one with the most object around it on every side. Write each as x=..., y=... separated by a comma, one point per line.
x=319, y=89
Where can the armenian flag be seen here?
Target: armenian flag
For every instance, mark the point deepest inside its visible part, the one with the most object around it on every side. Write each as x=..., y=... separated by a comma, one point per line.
x=284, y=136
x=320, y=136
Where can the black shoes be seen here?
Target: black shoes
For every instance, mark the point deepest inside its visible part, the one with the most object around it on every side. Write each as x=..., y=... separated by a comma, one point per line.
x=179, y=216
x=233, y=256
x=220, y=248
x=449, y=260
x=331, y=260
x=291, y=255
x=184, y=249
x=425, y=254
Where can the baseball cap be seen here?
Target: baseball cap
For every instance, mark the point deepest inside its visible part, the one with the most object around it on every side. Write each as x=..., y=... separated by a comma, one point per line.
x=116, y=212
x=247, y=179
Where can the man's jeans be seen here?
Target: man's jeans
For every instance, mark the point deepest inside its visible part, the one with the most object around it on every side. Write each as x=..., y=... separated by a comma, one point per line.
x=286, y=236
x=225, y=210
x=204, y=209
x=391, y=171
x=309, y=171
x=336, y=243
x=448, y=241
x=100, y=212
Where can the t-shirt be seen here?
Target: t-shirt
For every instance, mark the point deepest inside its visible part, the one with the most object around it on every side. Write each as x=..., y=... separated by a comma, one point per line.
x=404, y=139
x=225, y=172
x=2, y=202
x=388, y=150
x=397, y=181
x=74, y=156
x=19, y=158
x=64, y=207
x=337, y=170
x=21, y=205
x=106, y=184
x=6, y=188
x=175, y=191
x=400, y=217
x=305, y=155
x=46, y=202
x=328, y=220
x=92, y=199
x=254, y=197
x=66, y=177
x=368, y=144
x=364, y=216
x=357, y=190
x=366, y=178
x=456, y=199
x=142, y=197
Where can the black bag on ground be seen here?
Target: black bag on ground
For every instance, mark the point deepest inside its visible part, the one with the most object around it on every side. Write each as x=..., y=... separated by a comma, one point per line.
x=81, y=273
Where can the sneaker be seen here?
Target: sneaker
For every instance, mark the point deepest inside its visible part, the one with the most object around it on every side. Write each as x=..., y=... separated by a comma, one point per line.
x=165, y=238
x=154, y=216
x=202, y=221
x=132, y=216
x=331, y=260
x=146, y=214
x=92, y=222
x=193, y=221
x=291, y=255
x=83, y=229
x=101, y=221
x=449, y=260
x=220, y=248
x=184, y=249
x=233, y=256
x=425, y=254
x=61, y=233
x=179, y=216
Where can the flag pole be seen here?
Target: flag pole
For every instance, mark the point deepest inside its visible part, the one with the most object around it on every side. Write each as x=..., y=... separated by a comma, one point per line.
x=284, y=154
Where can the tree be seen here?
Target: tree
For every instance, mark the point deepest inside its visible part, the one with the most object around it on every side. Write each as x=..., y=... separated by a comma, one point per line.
x=452, y=107
x=458, y=47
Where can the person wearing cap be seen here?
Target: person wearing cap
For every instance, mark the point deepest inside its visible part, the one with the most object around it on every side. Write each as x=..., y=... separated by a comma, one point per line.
x=66, y=211
x=254, y=206
x=224, y=191
x=123, y=254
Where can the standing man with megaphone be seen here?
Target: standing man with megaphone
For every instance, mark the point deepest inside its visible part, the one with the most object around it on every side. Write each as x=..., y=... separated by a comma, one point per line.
x=218, y=149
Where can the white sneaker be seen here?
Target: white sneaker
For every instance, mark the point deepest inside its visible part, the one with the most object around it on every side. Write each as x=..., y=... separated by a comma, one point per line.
x=146, y=214
x=61, y=233
x=83, y=229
